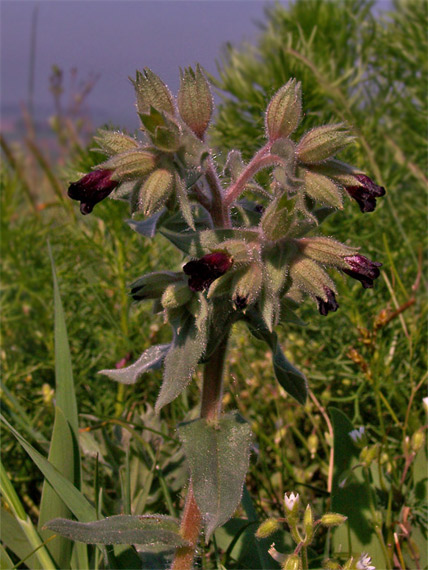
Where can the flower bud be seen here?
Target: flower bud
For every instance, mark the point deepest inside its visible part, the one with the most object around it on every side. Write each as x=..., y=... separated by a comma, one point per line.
x=163, y=131
x=131, y=164
x=313, y=442
x=417, y=441
x=155, y=191
x=308, y=276
x=308, y=524
x=369, y=454
x=91, y=189
x=284, y=111
x=152, y=285
x=195, y=101
x=151, y=91
x=247, y=286
x=277, y=217
x=333, y=519
x=202, y=272
x=113, y=142
x=292, y=562
x=322, y=189
x=267, y=528
x=176, y=295
x=326, y=250
x=323, y=142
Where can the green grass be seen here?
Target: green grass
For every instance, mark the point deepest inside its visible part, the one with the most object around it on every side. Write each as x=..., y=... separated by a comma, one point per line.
x=367, y=360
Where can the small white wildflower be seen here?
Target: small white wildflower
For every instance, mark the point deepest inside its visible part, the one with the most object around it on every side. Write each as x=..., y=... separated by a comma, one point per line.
x=364, y=562
x=357, y=434
x=278, y=556
x=290, y=499
x=425, y=403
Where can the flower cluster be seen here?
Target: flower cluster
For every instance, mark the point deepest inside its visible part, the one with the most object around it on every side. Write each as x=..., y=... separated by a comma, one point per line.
x=256, y=257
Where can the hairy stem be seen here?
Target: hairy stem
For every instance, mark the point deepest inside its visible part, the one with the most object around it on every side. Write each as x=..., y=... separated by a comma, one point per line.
x=212, y=390
x=190, y=529
x=261, y=159
x=219, y=212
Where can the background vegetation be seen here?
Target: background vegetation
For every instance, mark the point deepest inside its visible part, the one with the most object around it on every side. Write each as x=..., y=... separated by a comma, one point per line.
x=367, y=360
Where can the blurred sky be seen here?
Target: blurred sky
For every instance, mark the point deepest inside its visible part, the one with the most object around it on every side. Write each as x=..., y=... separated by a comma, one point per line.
x=113, y=39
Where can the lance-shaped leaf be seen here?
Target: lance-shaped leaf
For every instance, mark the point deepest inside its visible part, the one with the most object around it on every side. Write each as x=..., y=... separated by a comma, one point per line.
x=291, y=379
x=149, y=530
x=114, y=142
x=183, y=199
x=197, y=244
x=218, y=456
x=148, y=226
x=188, y=346
x=151, y=359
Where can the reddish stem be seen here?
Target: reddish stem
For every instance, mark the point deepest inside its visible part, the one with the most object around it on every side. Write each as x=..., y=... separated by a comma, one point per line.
x=212, y=390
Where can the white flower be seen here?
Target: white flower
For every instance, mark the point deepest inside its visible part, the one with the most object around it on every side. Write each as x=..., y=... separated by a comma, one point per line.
x=357, y=434
x=290, y=499
x=364, y=562
x=278, y=556
x=425, y=403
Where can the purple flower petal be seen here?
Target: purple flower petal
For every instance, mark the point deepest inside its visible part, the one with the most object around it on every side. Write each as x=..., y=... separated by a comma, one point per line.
x=362, y=269
x=365, y=193
x=202, y=272
x=91, y=189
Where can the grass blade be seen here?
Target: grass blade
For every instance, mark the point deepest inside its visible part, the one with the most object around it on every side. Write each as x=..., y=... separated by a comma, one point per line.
x=64, y=448
x=17, y=530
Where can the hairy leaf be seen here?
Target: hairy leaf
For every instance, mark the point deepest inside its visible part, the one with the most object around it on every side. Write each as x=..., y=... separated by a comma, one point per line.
x=188, y=346
x=151, y=359
x=290, y=378
x=218, y=456
x=147, y=530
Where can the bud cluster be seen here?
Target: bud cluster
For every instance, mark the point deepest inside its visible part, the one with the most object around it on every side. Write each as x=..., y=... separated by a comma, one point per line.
x=302, y=529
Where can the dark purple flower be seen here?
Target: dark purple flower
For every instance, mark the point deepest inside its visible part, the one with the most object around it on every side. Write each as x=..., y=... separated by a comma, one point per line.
x=366, y=194
x=363, y=269
x=91, y=189
x=240, y=303
x=204, y=271
x=330, y=305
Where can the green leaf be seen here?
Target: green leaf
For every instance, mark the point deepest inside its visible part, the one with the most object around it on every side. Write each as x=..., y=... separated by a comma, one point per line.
x=61, y=454
x=197, y=244
x=350, y=496
x=24, y=527
x=12, y=536
x=147, y=530
x=188, y=346
x=65, y=394
x=151, y=359
x=218, y=456
x=178, y=224
x=71, y=496
x=148, y=226
x=5, y=560
x=290, y=378
x=183, y=198
x=64, y=448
